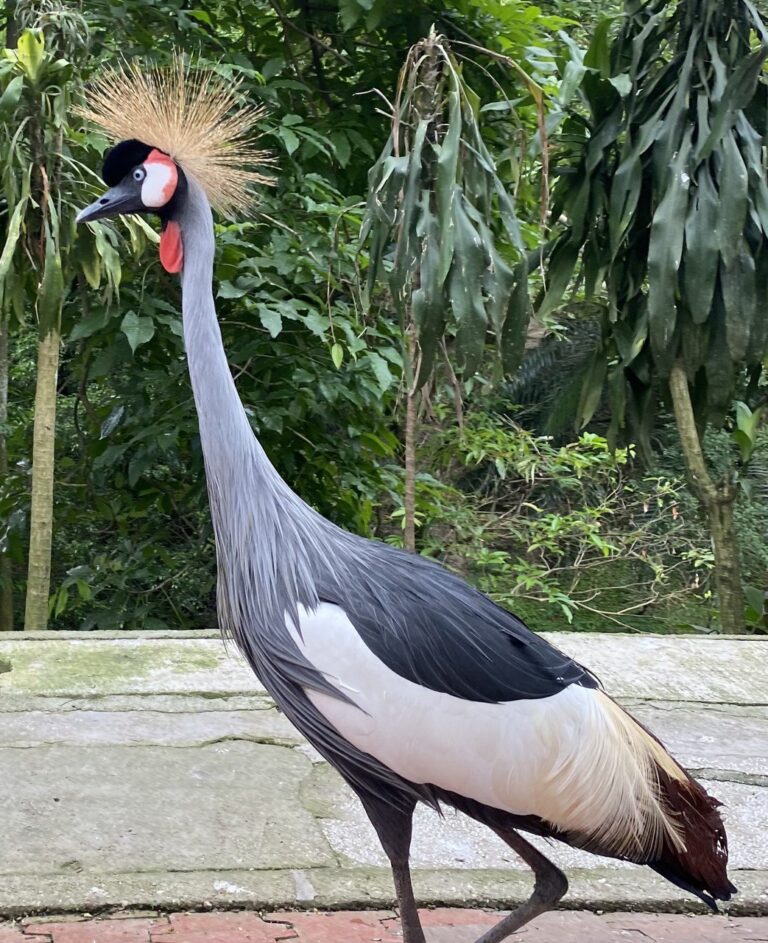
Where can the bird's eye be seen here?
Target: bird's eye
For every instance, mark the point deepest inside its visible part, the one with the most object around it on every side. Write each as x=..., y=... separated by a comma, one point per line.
x=139, y=174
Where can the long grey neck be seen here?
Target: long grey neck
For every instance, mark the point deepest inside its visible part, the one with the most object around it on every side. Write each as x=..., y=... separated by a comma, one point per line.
x=231, y=450
x=224, y=428
x=235, y=462
x=265, y=534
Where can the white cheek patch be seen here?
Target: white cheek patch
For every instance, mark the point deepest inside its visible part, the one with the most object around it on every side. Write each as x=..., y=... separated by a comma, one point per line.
x=159, y=184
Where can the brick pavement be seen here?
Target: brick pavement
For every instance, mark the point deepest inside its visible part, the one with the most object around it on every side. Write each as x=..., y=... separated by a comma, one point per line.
x=441, y=925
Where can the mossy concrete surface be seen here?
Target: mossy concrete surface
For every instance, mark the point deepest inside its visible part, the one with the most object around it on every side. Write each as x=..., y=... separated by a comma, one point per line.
x=134, y=664
x=151, y=770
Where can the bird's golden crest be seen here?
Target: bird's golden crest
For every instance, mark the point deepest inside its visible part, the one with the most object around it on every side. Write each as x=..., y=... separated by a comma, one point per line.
x=191, y=114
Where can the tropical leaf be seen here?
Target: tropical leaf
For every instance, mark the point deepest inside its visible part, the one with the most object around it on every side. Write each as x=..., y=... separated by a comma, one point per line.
x=733, y=198
x=11, y=95
x=675, y=137
x=51, y=298
x=737, y=282
x=137, y=330
x=701, y=247
x=11, y=241
x=665, y=252
x=736, y=97
x=440, y=226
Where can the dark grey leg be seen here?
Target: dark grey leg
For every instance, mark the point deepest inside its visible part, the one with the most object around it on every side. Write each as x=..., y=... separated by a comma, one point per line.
x=551, y=884
x=393, y=826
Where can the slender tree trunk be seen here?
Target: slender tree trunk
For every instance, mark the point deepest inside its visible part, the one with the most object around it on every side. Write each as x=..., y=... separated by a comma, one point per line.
x=718, y=499
x=425, y=103
x=409, y=496
x=11, y=24
x=6, y=569
x=730, y=592
x=41, y=514
x=6, y=573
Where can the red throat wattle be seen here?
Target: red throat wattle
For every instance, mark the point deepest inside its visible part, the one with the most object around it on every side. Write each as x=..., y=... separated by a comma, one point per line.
x=171, y=248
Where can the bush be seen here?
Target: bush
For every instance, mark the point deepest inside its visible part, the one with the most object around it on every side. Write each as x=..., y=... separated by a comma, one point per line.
x=573, y=531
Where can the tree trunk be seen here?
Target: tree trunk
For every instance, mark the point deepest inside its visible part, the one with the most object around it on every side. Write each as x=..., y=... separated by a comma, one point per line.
x=718, y=500
x=11, y=24
x=730, y=593
x=41, y=513
x=6, y=573
x=409, y=497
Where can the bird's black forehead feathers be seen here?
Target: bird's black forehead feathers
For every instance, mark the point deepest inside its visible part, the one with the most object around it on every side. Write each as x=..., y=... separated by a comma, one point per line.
x=122, y=158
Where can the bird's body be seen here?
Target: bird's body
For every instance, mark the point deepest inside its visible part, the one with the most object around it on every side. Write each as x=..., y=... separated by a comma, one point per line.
x=414, y=685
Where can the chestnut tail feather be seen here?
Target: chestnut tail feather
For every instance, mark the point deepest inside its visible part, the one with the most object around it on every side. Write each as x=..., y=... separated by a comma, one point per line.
x=701, y=867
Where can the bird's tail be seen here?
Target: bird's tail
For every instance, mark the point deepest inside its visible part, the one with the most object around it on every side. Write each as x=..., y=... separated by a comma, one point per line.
x=700, y=865
x=682, y=836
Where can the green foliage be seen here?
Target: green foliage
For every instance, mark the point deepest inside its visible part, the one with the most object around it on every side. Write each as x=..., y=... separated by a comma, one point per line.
x=566, y=526
x=555, y=529
x=44, y=175
x=132, y=538
x=438, y=205
x=667, y=204
x=284, y=296
x=750, y=512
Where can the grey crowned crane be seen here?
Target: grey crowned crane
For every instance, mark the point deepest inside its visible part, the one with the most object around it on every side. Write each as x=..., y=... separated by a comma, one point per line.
x=412, y=684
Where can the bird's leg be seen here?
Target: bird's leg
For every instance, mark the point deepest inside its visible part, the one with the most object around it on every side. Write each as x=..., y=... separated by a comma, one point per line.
x=551, y=884
x=393, y=826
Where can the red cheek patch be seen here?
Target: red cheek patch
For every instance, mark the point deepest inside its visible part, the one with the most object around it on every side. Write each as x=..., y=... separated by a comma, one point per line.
x=171, y=248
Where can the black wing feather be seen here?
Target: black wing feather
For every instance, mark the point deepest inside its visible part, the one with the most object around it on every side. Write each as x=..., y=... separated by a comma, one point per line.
x=432, y=628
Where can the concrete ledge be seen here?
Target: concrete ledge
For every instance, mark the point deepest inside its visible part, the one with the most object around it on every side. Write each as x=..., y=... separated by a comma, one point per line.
x=358, y=888
x=150, y=770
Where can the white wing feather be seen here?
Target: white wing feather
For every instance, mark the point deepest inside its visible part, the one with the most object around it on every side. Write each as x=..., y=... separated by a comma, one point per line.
x=574, y=759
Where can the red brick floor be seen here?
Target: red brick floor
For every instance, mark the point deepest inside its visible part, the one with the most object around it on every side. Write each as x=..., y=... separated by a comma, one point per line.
x=442, y=926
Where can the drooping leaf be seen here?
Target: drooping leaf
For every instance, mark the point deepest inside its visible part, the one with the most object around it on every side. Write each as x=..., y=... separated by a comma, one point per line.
x=562, y=263
x=518, y=316
x=51, y=298
x=738, y=92
x=665, y=252
x=137, y=330
x=758, y=336
x=598, y=56
x=381, y=370
x=89, y=325
x=631, y=335
x=733, y=198
x=10, y=97
x=428, y=302
x=465, y=278
x=271, y=320
x=341, y=147
x=445, y=182
x=289, y=138
x=737, y=281
x=11, y=240
x=695, y=341
x=592, y=390
x=407, y=243
x=718, y=365
x=702, y=247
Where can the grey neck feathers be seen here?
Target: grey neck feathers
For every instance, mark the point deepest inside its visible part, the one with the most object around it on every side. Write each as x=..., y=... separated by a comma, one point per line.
x=224, y=428
x=274, y=552
x=269, y=542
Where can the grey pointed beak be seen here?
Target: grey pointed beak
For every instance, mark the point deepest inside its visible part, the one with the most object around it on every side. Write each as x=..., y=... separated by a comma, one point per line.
x=124, y=198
